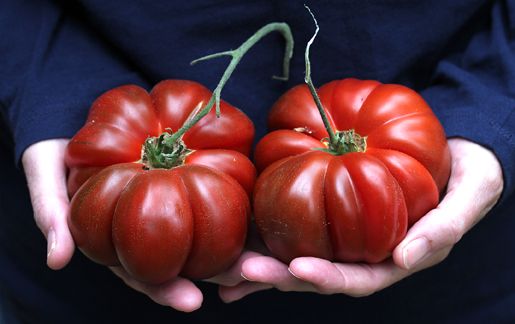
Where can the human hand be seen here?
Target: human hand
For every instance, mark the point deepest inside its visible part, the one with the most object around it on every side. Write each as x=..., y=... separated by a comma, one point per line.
x=474, y=187
x=45, y=171
x=44, y=167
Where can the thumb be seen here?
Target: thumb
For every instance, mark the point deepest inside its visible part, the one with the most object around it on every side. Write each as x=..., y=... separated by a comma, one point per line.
x=45, y=171
x=474, y=187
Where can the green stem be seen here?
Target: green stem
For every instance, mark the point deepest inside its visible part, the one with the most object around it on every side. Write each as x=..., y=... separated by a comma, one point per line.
x=332, y=136
x=237, y=55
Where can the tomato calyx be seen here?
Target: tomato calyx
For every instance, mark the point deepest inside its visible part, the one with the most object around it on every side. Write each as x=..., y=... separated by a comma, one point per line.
x=345, y=142
x=161, y=153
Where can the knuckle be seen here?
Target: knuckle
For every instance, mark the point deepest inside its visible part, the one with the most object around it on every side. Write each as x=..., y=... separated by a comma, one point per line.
x=492, y=174
x=493, y=180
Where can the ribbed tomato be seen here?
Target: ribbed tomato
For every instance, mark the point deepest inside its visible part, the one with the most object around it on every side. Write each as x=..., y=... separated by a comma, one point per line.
x=352, y=196
x=182, y=208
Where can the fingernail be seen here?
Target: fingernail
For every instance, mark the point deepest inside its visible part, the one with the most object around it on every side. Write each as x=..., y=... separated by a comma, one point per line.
x=52, y=242
x=415, y=252
x=243, y=276
x=293, y=274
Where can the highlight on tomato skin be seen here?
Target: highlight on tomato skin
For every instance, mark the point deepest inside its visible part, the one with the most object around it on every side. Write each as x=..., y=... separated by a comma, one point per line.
x=349, y=196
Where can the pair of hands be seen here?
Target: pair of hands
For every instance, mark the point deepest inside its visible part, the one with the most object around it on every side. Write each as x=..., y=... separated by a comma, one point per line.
x=474, y=187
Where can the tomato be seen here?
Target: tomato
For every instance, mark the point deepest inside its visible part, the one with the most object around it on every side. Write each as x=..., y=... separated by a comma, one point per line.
x=353, y=202
x=189, y=218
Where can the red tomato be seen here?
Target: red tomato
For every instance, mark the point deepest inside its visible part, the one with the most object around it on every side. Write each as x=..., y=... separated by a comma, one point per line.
x=189, y=220
x=355, y=206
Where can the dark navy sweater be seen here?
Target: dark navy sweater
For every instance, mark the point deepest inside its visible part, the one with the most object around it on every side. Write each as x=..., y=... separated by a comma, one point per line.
x=57, y=57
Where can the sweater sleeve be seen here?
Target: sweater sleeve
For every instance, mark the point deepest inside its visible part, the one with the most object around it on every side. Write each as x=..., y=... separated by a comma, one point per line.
x=52, y=68
x=473, y=91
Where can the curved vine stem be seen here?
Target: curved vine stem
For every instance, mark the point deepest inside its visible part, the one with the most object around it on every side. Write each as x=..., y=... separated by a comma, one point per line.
x=332, y=136
x=236, y=56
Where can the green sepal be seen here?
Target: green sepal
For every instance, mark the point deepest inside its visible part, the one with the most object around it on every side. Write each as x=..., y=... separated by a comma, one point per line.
x=160, y=153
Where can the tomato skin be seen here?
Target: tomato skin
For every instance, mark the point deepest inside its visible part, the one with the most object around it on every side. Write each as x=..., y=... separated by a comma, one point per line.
x=92, y=210
x=153, y=226
x=77, y=176
x=283, y=143
x=222, y=211
x=359, y=192
x=419, y=189
x=289, y=207
x=232, y=163
x=105, y=138
x=190, y=220
x=353, y=207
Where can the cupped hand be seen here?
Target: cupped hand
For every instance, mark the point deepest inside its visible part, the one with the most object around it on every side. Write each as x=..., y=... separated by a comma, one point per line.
x=474, y=187
x=45, y=171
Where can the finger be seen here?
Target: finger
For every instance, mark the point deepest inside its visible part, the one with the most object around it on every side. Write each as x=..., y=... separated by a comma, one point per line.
x=232, y=276
x=270, y=271
x=353, y=279
x=474, y=187
x=45, y=171
x=261, y=273
x=433, y=233
x=178, y=293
